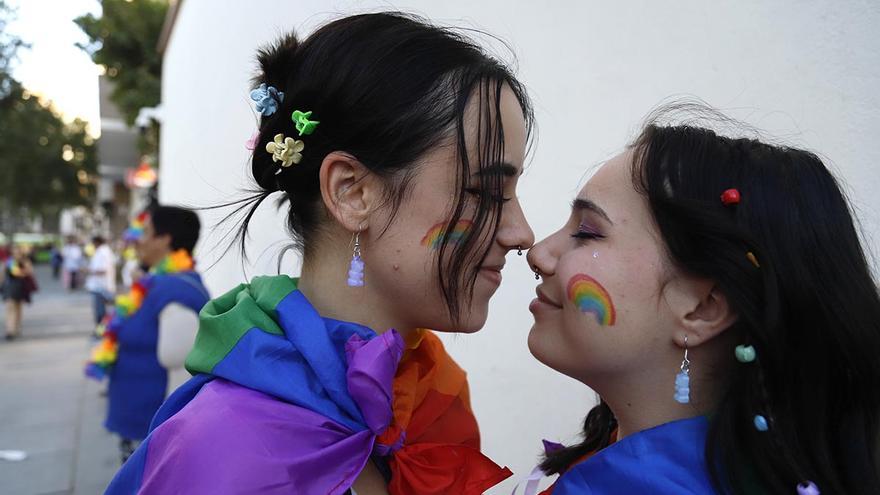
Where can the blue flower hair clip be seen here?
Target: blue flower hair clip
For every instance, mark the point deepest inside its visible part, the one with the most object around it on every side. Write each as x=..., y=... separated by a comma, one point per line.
x=267, y=99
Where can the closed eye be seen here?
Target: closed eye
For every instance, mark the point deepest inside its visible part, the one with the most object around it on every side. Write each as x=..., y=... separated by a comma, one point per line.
x=587, y=235
x=483, y=194
x=587, y=232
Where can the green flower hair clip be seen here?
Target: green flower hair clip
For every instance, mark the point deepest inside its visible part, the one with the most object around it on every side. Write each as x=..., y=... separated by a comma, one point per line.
x=303, y=124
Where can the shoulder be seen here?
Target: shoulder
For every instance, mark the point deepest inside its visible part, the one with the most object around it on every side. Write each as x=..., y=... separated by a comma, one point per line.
x=228, y=439
x=215, y=441
x=185, y=281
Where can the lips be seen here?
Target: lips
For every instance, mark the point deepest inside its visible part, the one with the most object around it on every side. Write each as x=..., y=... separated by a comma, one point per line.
x=493, y=272
x=545, y=299
x=494, y=268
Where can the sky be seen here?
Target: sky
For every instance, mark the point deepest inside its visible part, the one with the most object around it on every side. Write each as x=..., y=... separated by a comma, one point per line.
x=53, y=67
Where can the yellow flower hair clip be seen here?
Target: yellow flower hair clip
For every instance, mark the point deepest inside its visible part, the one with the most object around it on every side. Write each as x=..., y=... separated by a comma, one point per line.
x=286, y=150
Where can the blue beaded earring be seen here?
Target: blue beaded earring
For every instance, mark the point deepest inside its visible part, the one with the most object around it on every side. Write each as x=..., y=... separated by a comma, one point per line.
x=682, y=379
x=356, y=268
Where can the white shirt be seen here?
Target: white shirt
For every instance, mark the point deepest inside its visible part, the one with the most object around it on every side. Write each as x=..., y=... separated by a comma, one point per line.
x=102, y=261
x=178, y=326
x=73, y=256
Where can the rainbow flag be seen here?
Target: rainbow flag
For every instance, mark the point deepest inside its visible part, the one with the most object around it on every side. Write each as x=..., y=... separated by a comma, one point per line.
x=286, y=401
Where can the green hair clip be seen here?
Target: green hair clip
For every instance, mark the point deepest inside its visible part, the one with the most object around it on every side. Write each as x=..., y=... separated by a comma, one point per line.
x=303, y=124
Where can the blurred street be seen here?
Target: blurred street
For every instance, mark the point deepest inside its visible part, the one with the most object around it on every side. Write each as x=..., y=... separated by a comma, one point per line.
x=48, y=409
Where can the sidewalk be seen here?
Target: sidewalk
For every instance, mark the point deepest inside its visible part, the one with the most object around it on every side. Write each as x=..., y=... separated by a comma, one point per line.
x=47, y=408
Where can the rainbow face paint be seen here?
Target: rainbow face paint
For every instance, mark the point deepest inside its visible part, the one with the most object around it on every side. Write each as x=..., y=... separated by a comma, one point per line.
x=590, y=297
x=434, y=238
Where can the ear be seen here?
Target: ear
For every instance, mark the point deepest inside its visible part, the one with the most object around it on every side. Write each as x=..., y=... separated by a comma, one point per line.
x=350, y=192
x=701, y=311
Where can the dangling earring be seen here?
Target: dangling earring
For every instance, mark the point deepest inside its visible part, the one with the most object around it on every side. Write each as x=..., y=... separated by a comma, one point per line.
x=682, y=379
x=519, y=250
x=537, y=273
x=356, y=268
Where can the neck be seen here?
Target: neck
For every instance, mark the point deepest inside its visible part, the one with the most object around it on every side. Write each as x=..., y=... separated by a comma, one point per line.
x=645, y=400
x=161, y=257
x=323, y=282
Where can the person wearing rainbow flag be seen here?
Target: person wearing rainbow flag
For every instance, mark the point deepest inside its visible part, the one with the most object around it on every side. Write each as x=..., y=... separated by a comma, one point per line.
x=397, y=147
x=130, y=352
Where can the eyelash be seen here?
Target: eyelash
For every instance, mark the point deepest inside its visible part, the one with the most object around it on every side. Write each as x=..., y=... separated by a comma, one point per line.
x=587, y=234
x=479, y=192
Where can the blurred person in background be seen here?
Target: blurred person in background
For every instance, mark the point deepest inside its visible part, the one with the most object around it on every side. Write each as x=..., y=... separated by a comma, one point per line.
x=17, y=286
x=56, y=260
x=72, y=260
x=147, y=338
x=101, y=279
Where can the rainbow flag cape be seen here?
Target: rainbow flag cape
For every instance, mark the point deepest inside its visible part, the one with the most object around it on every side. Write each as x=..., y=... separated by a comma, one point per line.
x=286, y=401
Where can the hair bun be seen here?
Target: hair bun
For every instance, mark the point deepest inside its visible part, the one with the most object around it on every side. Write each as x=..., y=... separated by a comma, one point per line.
x=276, y=60
x=275, y=64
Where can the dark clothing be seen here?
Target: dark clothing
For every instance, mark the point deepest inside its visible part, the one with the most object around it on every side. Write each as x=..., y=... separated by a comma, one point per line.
x=15, y=288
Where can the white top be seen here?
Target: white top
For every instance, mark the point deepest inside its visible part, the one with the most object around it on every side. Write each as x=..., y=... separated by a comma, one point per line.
x=73, y=256
x=128, y=270
x=177, y=333
x=102, y=261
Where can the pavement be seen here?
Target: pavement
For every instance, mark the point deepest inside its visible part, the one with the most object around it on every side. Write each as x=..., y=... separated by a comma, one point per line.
x=47, y=408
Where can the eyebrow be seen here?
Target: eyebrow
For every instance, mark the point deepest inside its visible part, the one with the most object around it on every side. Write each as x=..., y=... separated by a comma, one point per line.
x=505, y=169
x=581, y=204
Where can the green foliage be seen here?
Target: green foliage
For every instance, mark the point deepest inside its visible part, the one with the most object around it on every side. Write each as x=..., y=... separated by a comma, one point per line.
x=9, y=45
x=45, y=164
x=124, y=40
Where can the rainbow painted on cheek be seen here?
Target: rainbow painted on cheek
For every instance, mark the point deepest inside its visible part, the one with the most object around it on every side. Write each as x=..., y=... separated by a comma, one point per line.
x=434, y=238
x=590, y=297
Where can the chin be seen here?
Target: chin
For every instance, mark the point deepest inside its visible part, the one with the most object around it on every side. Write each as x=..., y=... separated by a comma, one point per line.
x=533, y=341
x=472, y=322
x=538, y=347
x=561, y=360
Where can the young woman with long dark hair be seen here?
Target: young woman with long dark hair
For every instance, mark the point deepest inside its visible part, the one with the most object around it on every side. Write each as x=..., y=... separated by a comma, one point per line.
x=714, y=293
x=397, y=146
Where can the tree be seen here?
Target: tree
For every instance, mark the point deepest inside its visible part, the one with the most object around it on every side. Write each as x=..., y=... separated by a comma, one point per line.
x=45, y=164
x=9, y=45
x=124, y=40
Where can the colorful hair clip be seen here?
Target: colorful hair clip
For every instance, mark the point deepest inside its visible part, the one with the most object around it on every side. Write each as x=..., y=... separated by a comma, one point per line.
x=808, y=488
x=761, y=423
x=730, y=197
x=267, y=98
x=751, y=256
x=745, y=353
x=285, y=150
x=303, y=124
x=251, y=143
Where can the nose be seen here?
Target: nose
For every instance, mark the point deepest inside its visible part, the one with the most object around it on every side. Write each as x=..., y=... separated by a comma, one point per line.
x=542, y=257
x=514, y=231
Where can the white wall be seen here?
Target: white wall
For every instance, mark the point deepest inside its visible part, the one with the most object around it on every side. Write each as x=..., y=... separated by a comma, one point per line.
x=805, y=71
